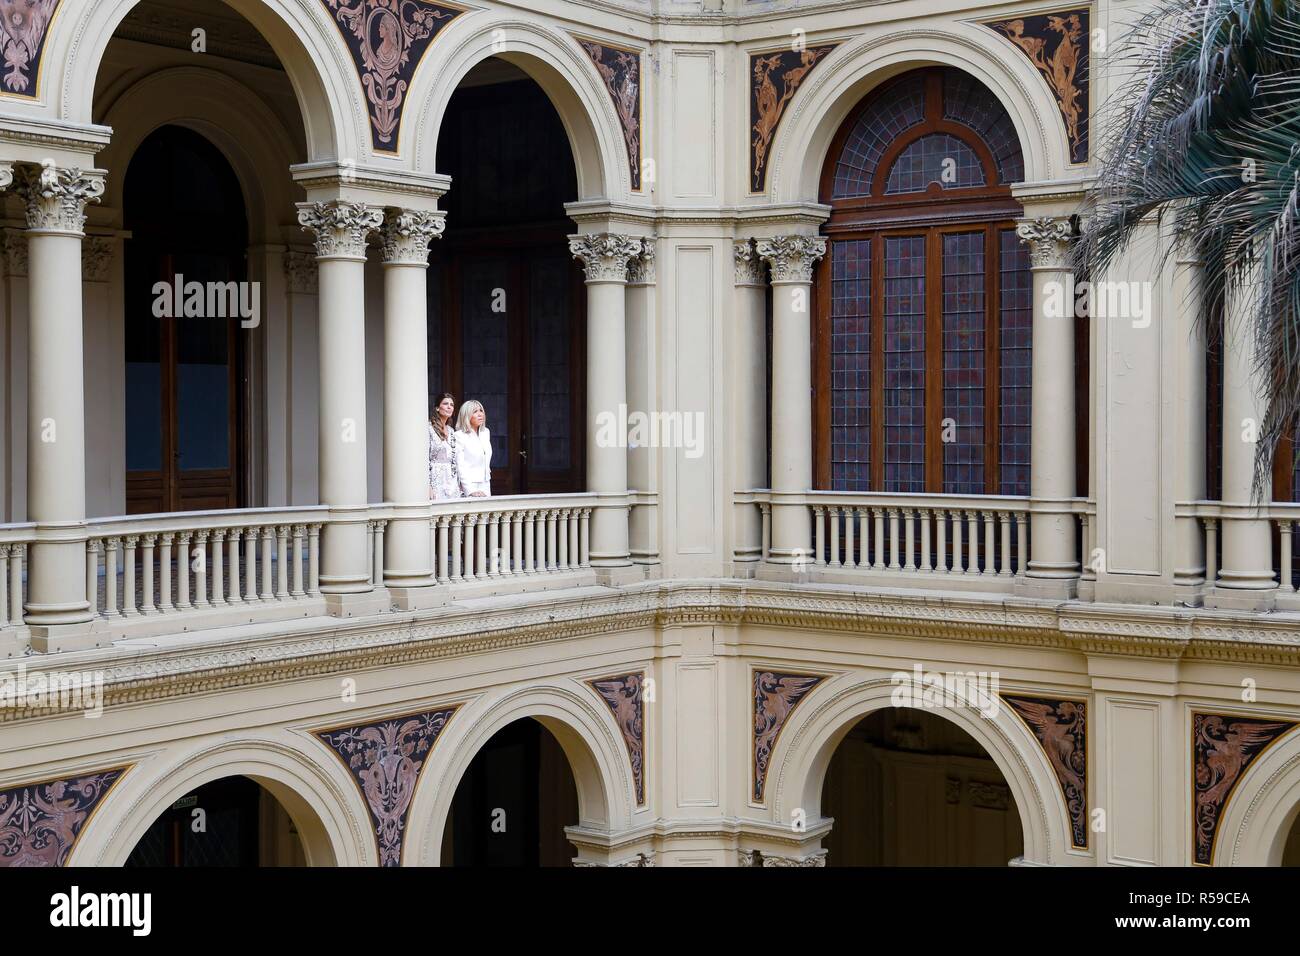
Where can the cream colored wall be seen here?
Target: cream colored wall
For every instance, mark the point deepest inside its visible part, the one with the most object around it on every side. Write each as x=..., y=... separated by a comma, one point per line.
x=1133, y=665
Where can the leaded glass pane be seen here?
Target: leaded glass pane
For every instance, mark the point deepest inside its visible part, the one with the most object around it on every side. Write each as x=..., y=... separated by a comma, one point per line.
x=963, y=363
x=904, y=348
x=937, y=158
x=851, y=365
x=1016, y=315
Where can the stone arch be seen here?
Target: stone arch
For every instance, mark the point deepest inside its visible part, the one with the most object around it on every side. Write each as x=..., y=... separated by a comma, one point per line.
x=556, y=63
x=808, y=743
x=857, y=67
x=299, y=31
x=323, y=803
x=225, y=112
x=1261, y=809
x=585, y=731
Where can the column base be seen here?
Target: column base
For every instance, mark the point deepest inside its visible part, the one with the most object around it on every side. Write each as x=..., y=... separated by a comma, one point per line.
x=417, y=598
x=1048, y=588
x=1241, y=599
x=613, y=577
x=358, y=603
x=14, y=642
x=57, y=638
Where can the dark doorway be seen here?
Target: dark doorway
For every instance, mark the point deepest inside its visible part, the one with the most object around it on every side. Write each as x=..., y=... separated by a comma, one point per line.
x=506, y=298
x=513, y=803
x=229, y=822
x=185, y=211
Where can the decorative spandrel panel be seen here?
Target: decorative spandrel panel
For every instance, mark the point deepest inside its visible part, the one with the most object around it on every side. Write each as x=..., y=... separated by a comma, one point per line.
x=774, y=78
x=387, y=39
x=1057, y=45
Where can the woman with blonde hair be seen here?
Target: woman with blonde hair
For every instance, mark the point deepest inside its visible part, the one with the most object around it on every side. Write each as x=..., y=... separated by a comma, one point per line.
x=443, y=483
x=473, y=451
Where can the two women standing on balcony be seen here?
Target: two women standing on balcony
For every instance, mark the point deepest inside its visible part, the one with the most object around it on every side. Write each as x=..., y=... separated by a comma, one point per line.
x=460, y=457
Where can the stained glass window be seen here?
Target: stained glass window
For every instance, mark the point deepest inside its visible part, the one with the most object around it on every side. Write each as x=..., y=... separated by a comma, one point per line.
x=899, y=107
x=930, y=296
x=937, y=158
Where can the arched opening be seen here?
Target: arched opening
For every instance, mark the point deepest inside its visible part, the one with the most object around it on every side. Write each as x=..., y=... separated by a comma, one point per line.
x=233, y=821
x=505, y=296
x=185, y=359
x=513, y=802
x=924, y=296
x=1291, y=848
x=909, y=788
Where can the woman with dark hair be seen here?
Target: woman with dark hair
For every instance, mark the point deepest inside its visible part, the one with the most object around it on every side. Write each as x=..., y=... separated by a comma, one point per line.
x=443, y=481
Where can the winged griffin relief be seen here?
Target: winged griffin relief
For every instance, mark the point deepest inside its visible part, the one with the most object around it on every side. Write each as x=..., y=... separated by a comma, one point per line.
x=40, y=822
x=775, y=698
x=624, y=696
x=1061, y=727
x=774, y=80
x=620, y=69
x=23, y=24
x=1057, y=45
x=1222, y=748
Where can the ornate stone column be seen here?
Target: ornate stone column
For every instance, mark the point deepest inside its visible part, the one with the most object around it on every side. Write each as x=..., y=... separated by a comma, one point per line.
x=605, y=257
x=1189, y=476
x=58, y=607
x=408, y=567
x=1053, y=540
x=340, y=229
x=643, y=540
x=749, y=397
x=791, y=259
x=1246, y=574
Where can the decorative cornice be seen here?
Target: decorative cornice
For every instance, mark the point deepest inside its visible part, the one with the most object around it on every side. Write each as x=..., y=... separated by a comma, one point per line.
x=605, y=256
x=406, y=234
x=751, y=270
x=56, y=197
x=791, y=258
x=316, y=647
x=1049, y=241
x=340, y=227
x=641, y=269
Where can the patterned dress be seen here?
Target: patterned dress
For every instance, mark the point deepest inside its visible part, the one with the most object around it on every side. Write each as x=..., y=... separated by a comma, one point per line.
x=442, y=466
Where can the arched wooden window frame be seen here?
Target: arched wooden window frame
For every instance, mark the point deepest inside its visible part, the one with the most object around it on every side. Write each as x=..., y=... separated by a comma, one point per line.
x=937, y=212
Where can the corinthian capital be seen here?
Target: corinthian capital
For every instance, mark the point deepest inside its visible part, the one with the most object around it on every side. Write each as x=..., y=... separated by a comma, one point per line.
x=791, y=258
x=1049, y=240
x=6, y=175
x=340, y=227
x=605, y=255
x=56, y=197
x=407, y=233
x=641, y=270
x=749, y=264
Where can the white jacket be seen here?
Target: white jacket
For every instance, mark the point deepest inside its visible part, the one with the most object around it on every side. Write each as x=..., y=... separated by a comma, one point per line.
x=474, y=461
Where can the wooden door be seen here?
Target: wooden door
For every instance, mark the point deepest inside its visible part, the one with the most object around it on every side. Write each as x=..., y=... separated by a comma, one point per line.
x=182, y=375
x=510, y=329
